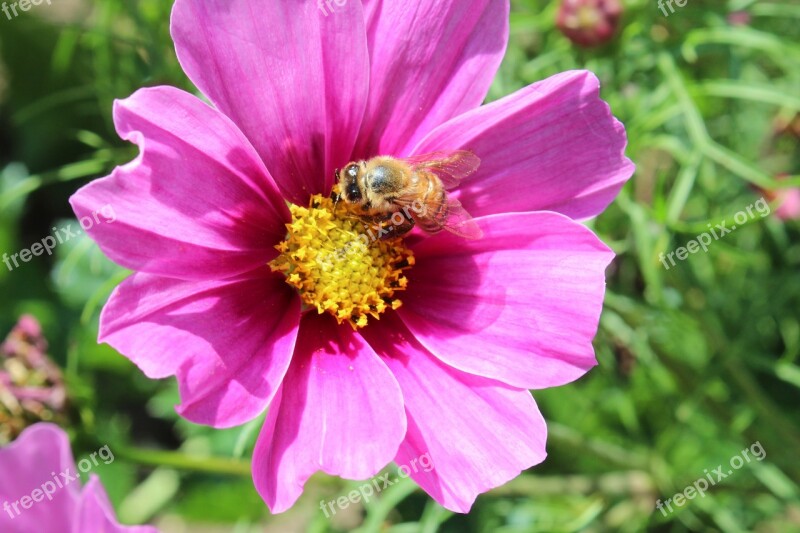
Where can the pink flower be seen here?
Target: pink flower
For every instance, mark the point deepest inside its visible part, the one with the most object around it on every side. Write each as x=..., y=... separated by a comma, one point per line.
x=297, y=93
x=40, y=488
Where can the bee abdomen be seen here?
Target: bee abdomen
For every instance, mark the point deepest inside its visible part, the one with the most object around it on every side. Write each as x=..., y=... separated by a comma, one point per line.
x=440, y=201
x=435, y=198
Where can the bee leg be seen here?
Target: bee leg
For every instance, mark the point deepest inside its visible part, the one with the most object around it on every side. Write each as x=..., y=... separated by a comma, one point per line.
x=336, y=193
x=397, y=230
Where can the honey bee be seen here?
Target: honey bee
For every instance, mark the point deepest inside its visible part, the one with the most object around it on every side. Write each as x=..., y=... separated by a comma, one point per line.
x=410, y=191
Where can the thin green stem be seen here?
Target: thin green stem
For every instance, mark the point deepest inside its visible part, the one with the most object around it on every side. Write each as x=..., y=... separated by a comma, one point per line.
x=182, y=461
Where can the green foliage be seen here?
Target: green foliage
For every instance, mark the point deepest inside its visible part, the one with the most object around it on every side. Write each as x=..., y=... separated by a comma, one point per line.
x=697, y=362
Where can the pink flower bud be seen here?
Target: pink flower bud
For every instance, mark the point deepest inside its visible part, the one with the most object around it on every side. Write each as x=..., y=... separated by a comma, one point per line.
x=739, y=18
x=589, y=23
x=31, y=385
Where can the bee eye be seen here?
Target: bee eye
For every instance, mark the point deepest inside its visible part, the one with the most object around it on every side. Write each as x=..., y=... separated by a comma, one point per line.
x=353, y=194
x=352, y=171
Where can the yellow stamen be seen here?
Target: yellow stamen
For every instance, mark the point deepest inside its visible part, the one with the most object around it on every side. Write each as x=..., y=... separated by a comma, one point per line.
x=340, y=266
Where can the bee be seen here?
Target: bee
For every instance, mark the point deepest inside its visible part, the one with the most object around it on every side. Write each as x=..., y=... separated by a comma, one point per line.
x=410, y=192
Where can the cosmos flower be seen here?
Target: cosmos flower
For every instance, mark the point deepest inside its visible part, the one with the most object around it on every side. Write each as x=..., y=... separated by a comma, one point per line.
x=405, y=347
x=40, y=488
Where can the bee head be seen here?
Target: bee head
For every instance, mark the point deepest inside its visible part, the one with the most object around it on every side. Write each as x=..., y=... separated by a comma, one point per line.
x=348, y=183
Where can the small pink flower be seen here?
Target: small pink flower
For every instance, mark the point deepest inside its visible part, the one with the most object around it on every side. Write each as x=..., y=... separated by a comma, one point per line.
x=589, y=23
x=40, y=488
x=297, y=93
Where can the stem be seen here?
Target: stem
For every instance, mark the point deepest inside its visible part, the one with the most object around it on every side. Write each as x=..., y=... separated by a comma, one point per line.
x=182, y=461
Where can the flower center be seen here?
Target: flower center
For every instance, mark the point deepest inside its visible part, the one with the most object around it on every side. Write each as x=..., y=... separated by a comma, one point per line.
x=340, y=266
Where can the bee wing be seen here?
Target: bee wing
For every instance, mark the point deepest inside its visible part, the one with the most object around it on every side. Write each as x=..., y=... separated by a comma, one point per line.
x=449, y=167
x=459, y=222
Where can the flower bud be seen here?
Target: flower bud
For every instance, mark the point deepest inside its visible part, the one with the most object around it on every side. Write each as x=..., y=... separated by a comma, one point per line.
x=589, y=23
x=786, y=200
x=31, y=385
x=789, y=127
x=739, y=18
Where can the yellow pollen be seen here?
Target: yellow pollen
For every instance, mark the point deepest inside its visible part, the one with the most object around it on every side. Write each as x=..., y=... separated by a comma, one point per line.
x=340, y=266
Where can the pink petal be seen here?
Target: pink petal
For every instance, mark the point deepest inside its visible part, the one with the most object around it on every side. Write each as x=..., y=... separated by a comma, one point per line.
x=294, y=80
x=520, y=305
x=197, y=203
x=97, y=514
x=228, y=342
x=26, y=464
x=339, y=410
x=466, y=434
x=429, y=62
x=553, y=146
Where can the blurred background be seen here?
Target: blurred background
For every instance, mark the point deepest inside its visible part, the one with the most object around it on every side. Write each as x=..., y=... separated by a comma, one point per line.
x=698, y=361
